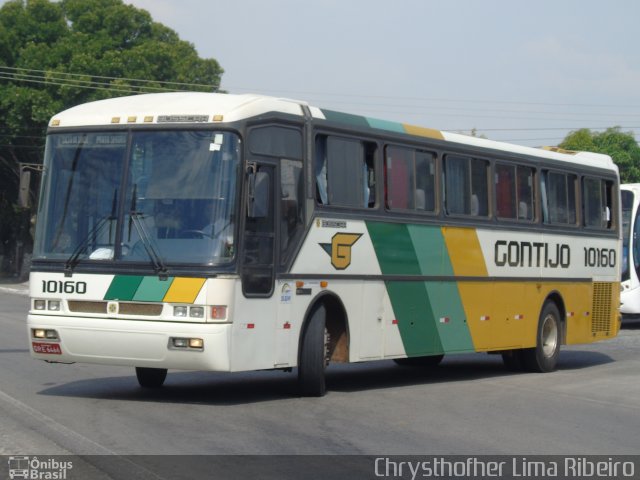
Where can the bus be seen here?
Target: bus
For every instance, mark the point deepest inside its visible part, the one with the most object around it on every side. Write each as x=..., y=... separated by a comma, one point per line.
x=220, y=232
x=630, y=268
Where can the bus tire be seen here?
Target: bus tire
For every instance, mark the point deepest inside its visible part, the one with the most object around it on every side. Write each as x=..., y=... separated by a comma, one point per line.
x=151, y=377
x=544, y=357
x=313, y=356
x=429, y=361
x=513, y=360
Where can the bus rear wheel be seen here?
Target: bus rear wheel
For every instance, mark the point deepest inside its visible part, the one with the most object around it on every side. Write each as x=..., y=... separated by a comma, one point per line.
x=544, y=357
x=313, y=356
x=151, y=377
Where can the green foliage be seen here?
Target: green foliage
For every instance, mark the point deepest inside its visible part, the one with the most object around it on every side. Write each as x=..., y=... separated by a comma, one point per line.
x=621, y=146
x=57, y=54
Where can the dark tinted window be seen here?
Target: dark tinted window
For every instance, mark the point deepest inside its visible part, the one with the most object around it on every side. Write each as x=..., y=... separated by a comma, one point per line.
x=344, y=170
x=276, y=142
x=410, y=179
x=466, y=191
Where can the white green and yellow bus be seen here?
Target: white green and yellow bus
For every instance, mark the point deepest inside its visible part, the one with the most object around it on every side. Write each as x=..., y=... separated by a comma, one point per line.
x=202, y=231
x=630, y=268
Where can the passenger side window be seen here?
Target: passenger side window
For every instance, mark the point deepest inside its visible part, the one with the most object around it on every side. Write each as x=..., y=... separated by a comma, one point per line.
x=344, y=171
x=560, y=203
x=514, y=192
x=466, y=186
x=597, y=203
x=410, y=179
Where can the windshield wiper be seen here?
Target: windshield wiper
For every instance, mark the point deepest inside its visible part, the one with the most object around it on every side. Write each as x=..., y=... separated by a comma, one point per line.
x=158, y=265
x=72, y=261
x=135, y=217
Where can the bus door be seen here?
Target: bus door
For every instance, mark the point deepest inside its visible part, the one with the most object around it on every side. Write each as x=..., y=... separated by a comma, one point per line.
x=258, y=254
x=257, y=270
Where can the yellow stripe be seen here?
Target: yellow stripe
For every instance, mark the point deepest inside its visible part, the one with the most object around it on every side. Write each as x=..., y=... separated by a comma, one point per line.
x=423, y=132
x=184, y=290
x=465, y=253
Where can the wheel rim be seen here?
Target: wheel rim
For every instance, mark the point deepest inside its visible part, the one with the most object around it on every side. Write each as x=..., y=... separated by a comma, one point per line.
x=549, y=336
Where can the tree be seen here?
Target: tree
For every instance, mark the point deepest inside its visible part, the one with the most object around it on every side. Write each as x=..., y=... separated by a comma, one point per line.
x=621, y=146
x=54, y=55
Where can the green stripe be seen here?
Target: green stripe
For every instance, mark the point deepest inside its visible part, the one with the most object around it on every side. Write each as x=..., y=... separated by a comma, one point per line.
x=416, y=322
x=386, y=125
x=420, y=306
x=152, y=289
x=444, y=298
x=446, y=303
x=394, y=248
x=123, y=287
x=339, y=117
x=431, y=251
x=363, y=122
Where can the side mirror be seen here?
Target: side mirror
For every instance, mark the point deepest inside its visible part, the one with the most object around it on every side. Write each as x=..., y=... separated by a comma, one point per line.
x=25, y=183
x=258, y=197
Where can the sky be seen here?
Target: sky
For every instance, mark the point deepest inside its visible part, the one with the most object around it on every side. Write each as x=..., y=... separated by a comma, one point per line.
x=527, y=72
x=522, y=71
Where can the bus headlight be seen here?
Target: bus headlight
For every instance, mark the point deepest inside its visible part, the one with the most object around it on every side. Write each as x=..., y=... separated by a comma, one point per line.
x=53, y=305
x=180, y=311
x=50, y=305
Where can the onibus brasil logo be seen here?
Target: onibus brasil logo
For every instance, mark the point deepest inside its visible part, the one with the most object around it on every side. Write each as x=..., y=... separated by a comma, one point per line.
x=36, y=469
x=340, y=249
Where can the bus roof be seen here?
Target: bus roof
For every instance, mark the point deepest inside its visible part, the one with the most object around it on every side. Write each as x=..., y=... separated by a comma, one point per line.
x=200, y=107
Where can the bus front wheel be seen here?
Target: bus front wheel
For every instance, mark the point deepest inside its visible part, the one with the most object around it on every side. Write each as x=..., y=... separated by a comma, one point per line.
x=544, y=357
x=313, y=356
x=151, y=377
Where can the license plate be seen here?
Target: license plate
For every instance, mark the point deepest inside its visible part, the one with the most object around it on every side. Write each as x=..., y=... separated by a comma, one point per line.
x=51, y=348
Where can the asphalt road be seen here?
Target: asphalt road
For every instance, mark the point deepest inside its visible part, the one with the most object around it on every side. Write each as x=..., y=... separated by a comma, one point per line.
x=469, y=405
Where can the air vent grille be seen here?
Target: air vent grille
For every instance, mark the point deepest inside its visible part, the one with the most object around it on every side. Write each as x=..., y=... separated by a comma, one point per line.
x=601, y=308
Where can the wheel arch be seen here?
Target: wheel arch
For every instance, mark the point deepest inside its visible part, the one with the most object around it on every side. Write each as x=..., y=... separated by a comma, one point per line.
x=336, y=323
x=556, y=297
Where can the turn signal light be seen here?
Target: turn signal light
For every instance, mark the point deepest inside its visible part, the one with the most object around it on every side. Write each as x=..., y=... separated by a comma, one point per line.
x=219, y=312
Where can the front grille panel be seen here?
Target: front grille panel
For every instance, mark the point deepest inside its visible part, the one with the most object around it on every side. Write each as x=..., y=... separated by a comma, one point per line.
x=83, y=306
x=143, y=309
x=124, y=308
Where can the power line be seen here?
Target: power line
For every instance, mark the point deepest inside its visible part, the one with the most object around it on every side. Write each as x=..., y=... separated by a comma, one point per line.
x=544, y=129
x=435, y=109
x=138, y=80
x=435, y=99
x=54, y=78
x=117, y=89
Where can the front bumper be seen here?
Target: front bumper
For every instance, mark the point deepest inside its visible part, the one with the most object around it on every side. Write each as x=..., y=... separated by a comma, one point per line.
x=131, y=342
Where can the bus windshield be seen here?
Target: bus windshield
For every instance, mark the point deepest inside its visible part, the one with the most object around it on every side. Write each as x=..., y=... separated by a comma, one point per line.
x=153, y=196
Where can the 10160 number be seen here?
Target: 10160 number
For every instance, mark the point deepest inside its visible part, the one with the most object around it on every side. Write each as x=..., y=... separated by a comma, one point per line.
x=68, y=287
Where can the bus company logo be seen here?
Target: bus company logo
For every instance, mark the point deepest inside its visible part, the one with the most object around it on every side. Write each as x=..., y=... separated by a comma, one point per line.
x=36, y=469
x=340, y=249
